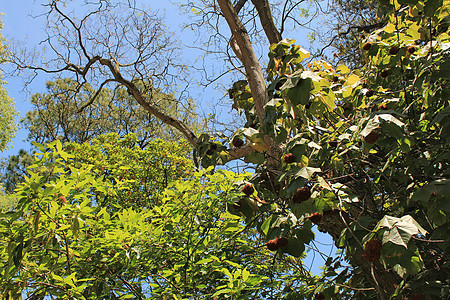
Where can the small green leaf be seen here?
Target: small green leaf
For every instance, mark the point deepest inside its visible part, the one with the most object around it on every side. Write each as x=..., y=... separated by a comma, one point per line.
x=245, y=275
x=266, y=225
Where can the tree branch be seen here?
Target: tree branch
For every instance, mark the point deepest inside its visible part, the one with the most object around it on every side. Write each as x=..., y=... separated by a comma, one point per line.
x=183, y=128
x=239, y=5
x=265, y=16
x=250, y=61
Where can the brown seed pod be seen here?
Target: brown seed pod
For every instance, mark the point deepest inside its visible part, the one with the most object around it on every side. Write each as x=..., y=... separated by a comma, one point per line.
x=393, y=50
x=289, y=158
x=335, y=79
x=272, y=245
x=384, y=73
x=369, y=93
x=301, y=195
x=237, y=142
x=367, y=46
x=411, y=49
x=282, y=241
x=212, y=149
x=372, y=137
x=319, y=296
x=315, y=218
x=372, y=250
x=248, y=189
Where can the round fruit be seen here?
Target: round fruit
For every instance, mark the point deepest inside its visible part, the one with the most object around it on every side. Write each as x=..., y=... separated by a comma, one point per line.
x=301, y=195
x=248, y=189
x=319, y=296
x=289, y=158
x=212, y=148
x=367, y=46
x=384, y=73
x=372, y=137
x=411, y=49
x=272, y=245
x=372, y=250
x=315, y=218
x=230, y=94
x=393, y=50
x=282, y=241
x=237, y=142
x=369, y=93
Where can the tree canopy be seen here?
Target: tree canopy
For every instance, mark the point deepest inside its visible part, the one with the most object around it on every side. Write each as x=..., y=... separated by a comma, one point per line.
x=7, y=112
x=66, y=113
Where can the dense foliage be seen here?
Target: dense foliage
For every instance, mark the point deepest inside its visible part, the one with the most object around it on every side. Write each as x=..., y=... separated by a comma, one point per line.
x=78, y=114
x=7, y=112
x=108, y=220
x=366, y=154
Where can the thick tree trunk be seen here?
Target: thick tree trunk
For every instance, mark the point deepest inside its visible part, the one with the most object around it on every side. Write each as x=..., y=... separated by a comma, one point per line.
x=382, y=280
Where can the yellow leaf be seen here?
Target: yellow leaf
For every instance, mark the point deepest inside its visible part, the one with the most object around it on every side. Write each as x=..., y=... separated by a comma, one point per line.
x=259, y=145
x=390, y=28
x=343, y=69
x=352, y=79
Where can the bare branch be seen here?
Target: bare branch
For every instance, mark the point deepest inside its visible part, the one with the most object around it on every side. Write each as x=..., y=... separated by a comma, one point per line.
x=169, y=120
x=95, y=96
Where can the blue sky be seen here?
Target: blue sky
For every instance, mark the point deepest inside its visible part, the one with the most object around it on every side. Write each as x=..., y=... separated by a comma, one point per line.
x=23, y=22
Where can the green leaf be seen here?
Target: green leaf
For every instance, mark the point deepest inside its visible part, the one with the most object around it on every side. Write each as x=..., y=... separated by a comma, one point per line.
x=294, y=248
x=266, y=225
x=307, y=172
x=17, y=254
x=397, y=237
x=323, y=183
x=444, y=70
x=304, y=234
x=399, y=230
x=245, y=275
x=250, y=132
x=298, y=89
